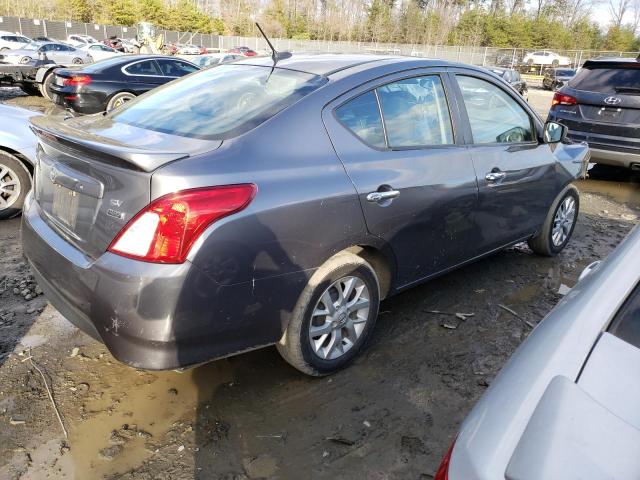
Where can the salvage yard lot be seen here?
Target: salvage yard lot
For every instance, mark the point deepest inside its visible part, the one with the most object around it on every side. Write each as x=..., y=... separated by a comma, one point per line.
x=390, y=415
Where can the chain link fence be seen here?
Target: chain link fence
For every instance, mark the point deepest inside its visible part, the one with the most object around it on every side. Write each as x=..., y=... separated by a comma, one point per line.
x=526, y=60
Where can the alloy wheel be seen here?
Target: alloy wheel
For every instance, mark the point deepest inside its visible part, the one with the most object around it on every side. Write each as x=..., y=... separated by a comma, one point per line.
x=339, y=318
x=9, y=187
x=563, y=221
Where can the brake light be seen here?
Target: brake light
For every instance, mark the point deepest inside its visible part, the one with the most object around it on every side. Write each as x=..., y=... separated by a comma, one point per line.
x=562, y=99
x=165, y=230
x=443, y=469
x=76, y=81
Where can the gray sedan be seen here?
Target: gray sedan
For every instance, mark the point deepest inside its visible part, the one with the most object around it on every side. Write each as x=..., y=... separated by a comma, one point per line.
x=57, y=52
x=566, y=404
x=255, y=203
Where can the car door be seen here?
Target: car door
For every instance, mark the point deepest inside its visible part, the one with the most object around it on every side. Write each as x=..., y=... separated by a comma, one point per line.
x=517, y=177
x=398, y=140
x=144, y=75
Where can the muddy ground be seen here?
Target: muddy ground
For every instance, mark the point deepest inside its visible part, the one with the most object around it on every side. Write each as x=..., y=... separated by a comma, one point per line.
x=391, y=415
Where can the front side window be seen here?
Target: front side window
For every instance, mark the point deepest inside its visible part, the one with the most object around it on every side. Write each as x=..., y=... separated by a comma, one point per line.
x=176, y=68
x=218, y=103
x=415, y=112
x=494, y=116
x=147, y=67
x=361, y=115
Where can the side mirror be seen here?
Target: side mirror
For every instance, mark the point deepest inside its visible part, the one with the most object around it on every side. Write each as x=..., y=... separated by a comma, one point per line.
x=554, y=132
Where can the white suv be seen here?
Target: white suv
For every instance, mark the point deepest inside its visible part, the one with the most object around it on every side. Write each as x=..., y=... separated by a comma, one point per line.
x=10, y=41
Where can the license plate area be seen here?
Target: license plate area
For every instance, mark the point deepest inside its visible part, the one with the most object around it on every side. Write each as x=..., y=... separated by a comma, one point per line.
x=65, y=206
x=610, y=114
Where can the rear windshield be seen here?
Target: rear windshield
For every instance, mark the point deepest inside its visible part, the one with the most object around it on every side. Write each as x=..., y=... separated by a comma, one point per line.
x=607, y=78
x=219, y=103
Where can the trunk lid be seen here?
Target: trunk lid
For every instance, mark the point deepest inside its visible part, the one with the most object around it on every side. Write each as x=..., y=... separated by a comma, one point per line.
x=92, y=174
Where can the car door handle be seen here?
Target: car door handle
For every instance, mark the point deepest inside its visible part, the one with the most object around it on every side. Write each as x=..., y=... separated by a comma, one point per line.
x=380, y=196
x=494, y=176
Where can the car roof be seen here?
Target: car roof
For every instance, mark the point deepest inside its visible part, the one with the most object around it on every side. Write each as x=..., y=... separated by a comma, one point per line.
x=330, y=63
x=631, y=60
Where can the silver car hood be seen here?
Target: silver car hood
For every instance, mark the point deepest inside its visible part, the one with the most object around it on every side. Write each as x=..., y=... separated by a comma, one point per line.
x=143, y=149
x=558, y=347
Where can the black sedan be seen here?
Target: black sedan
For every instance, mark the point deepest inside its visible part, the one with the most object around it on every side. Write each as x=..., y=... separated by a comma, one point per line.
x=554, y=78
x=110, y=83
x=513, y=78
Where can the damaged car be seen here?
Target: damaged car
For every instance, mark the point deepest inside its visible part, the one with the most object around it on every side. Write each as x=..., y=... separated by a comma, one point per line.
x=277, y=201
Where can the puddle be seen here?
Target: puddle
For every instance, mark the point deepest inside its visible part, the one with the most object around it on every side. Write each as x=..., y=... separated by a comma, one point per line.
x=621, y=191
x=148, y=403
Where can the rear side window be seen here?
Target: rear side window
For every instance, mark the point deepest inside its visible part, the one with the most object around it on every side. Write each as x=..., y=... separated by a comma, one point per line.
x=415, y=112
x=608, y=79
x=494, y=116
x=626, y=324
x=362, y=116
x=220, y=102
x=147, y=67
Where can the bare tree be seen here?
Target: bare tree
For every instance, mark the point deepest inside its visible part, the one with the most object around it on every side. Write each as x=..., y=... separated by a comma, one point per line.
x=618, y=9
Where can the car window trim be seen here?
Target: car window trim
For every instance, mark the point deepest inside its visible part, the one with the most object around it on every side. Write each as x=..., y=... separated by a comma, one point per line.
x=123, y=69
x=398, y=77
x=535, y=121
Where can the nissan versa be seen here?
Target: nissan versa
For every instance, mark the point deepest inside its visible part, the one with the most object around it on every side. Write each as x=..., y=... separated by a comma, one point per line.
x=254, y=204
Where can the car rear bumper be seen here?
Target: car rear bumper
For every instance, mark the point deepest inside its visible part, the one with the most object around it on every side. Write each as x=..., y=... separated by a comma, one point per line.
x=152, y=316
x=78, y=102
x=620, y=159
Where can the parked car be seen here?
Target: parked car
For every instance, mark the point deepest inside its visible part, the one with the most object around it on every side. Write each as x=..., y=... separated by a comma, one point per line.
x=17, y=156
x=109, y=84
x=11, y=41
x=57, y=52
x=601, y=105
x=98, y=51
x=130, y=45
x=213, y=59
x=115, y=43
x=188, y=49
x=202, y=50
x=80, y=40
x=45, y=39
x=246, y=51
x=555, y=78
x=188, y=225
x=513, y=78
x=546, y=57
x=566, y=404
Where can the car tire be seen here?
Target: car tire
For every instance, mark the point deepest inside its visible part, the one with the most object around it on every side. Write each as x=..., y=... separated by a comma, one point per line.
x=119, y=99
x=45, y=86
x=555, y=63
x=347, y=331
x=12, y=196
x=77, y=61
x=558, y=226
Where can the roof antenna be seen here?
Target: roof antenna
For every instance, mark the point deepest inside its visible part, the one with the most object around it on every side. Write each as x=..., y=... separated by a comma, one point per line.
x=275, y=55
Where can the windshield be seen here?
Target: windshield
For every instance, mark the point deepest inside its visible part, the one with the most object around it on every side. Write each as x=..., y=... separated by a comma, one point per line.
x=218, y=103
x=607, y=78
x=31, y=46
x=565, y=72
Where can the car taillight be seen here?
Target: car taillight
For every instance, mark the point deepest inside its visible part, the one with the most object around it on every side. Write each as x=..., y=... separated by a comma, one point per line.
x=167, y=228
x=443, y=469
x=562, y=99
x=76, y=81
